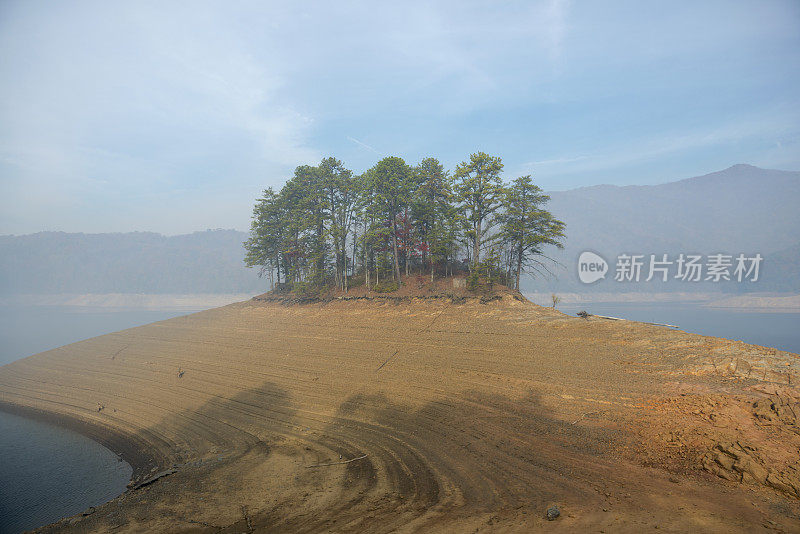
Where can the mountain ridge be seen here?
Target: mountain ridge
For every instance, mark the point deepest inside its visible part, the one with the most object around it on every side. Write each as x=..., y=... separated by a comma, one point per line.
x=135, y=262
x=741, y=209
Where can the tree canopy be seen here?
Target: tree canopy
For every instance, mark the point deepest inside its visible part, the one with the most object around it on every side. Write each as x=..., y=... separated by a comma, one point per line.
x=327, y=227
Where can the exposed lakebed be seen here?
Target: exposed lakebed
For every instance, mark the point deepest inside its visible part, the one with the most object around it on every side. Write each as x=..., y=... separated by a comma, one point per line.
x=47, y=472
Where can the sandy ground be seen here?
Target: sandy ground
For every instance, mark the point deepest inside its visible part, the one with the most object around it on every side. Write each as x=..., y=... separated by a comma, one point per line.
x=427, y=415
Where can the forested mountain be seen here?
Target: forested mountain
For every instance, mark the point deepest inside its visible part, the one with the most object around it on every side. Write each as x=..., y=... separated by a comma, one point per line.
x=138, y=262
x=742, y=209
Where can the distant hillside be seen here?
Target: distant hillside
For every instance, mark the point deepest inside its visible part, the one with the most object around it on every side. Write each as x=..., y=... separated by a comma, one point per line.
x=783, y=270
x=743, y=209
x=138, y=262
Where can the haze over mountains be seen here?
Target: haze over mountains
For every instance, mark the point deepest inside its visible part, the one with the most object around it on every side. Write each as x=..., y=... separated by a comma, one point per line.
x=136, y=262
x=743, y=209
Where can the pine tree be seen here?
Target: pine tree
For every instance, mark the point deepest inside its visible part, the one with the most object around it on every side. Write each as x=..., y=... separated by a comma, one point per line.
x=390, y=184
x=341, y=195
x=526, y=227
x=430, y=203
x=443, y=237
x=479, y=192
x=306, y=248
x=263, y=248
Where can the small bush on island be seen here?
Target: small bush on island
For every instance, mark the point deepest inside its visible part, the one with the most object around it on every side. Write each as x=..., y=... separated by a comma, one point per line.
x=308, y=289
x=386, y=287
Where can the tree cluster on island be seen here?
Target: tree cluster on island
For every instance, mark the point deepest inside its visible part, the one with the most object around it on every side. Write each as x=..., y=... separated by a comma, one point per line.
x=328, y=228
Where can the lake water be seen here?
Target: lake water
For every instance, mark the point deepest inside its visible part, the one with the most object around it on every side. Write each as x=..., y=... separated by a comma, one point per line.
x=26, y=330
x=47, y=472
x=780, y=330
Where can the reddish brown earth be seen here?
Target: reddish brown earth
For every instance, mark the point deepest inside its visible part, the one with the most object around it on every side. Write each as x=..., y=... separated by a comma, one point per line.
x=434, y=414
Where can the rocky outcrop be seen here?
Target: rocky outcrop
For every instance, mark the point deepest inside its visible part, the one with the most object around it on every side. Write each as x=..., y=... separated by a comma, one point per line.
x=743, y=462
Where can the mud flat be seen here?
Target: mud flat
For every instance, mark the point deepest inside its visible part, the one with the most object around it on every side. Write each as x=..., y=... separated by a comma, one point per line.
x=436, y=414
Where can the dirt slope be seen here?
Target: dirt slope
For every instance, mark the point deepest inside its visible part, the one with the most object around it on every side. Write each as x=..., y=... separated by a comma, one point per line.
x=428, y=415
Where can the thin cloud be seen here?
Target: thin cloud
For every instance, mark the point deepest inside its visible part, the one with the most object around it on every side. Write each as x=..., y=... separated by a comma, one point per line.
x=107, y=106
x=768, y=126
x=554, y=161
x=364, y=145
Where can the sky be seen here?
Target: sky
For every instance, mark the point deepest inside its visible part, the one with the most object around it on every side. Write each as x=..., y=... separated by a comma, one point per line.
x=173, y=116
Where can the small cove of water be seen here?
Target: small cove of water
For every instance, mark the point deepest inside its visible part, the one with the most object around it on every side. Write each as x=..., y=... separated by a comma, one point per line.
x=48, y=472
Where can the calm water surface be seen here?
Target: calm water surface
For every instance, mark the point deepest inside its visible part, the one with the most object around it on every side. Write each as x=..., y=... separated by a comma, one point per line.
x=27, y=330
x=48, y=472
x=771, y=329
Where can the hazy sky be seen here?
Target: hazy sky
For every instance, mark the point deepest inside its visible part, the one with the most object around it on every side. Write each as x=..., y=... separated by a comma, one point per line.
x=172, y=116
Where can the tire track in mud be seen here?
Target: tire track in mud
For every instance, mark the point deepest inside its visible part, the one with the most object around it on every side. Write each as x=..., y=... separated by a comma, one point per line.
x=431, y=471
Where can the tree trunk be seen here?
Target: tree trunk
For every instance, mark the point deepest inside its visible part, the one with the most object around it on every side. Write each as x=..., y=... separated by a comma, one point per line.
x=355, y=236
x=519, y=265
x=406, y=240
x=394, y=249
x=320, y=231
x=476, y=253
x=347, y=263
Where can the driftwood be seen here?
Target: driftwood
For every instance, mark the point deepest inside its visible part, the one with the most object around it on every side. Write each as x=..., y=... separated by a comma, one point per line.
x=338, y=463
x=586, y=315
x=150, y=480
